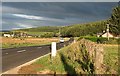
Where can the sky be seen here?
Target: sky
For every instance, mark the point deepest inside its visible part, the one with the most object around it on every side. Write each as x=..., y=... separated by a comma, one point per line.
x=20, y=15
x=60, y=0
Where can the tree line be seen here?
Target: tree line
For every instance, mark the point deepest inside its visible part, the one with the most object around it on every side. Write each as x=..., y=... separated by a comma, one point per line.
x=114, y=21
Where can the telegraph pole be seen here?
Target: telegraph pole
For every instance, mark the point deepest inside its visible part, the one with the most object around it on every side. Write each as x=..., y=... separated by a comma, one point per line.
x=107, y=31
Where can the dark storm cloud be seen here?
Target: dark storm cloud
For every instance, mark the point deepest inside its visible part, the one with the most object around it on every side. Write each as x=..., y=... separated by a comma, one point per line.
x=63, y=10
x=43, y=13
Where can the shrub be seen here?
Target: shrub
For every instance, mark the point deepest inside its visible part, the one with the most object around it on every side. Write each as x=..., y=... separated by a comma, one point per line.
x=100, y=39
x=85, y=54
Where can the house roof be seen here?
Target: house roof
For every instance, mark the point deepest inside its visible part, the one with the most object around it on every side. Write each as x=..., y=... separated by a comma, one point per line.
x=104, y=33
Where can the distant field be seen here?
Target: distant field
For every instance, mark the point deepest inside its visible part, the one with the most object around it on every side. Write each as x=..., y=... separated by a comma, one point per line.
x=17, y=42
x=21, y=42
x=37, y=33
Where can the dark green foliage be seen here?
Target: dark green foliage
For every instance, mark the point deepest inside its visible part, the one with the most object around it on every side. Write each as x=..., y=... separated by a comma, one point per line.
x=95, y=39
x=114, y=21
x=68, y=68
x=86, y=62
x=83, y=29
x=48, y=35
x=100, y=39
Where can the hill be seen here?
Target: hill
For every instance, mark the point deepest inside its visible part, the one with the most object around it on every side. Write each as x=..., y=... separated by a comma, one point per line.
x=41, y=29
x=77, y=30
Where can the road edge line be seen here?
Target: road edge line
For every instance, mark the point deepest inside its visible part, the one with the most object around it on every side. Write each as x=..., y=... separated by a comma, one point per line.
x=27, y=63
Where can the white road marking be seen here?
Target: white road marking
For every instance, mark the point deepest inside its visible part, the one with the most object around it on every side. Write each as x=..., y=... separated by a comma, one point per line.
x=21, y=51
x=39, y=47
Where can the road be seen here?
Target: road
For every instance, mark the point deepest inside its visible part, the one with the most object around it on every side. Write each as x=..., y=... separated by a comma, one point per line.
x=14, y=57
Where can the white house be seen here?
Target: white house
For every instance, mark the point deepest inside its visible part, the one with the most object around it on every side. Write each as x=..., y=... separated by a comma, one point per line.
x=8, y=35
x=107, y=35
x=104, y=35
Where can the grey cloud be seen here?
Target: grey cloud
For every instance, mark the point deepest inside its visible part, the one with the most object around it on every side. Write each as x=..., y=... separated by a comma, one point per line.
x=58, y=10
x=60, y=1
x=57, y=13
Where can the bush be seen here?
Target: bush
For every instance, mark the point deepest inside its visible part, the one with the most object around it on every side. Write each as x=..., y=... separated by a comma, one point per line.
x=100, y=39
x=94, y=39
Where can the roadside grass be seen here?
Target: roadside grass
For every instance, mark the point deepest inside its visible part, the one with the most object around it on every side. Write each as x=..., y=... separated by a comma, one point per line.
x=59, y=64
x=111, y=58
x=54, y=64
x=46, y=63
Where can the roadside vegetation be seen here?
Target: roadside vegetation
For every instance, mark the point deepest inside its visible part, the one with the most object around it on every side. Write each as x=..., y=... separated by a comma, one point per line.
x=72, y=60
x=63, y=63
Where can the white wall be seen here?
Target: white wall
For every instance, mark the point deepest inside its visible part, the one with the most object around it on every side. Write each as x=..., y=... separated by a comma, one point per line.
x=105, y=35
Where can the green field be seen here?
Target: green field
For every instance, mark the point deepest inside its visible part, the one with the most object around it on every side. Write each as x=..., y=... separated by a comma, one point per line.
x=37, y=33
x=111, y=58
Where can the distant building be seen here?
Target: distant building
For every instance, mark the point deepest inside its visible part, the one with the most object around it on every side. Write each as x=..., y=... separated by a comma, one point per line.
x=104, y=35
x=109, y=34
x=8, y=35
x=18, y=34
x=99, y=34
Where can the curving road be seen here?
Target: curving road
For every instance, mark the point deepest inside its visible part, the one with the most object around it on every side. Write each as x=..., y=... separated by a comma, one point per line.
x=14, y=57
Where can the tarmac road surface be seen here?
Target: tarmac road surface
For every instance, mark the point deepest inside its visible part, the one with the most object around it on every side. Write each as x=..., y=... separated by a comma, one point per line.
x=14, y=57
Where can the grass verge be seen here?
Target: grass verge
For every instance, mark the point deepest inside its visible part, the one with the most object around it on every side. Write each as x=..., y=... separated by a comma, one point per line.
x=111, y=58
x=46, y=63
